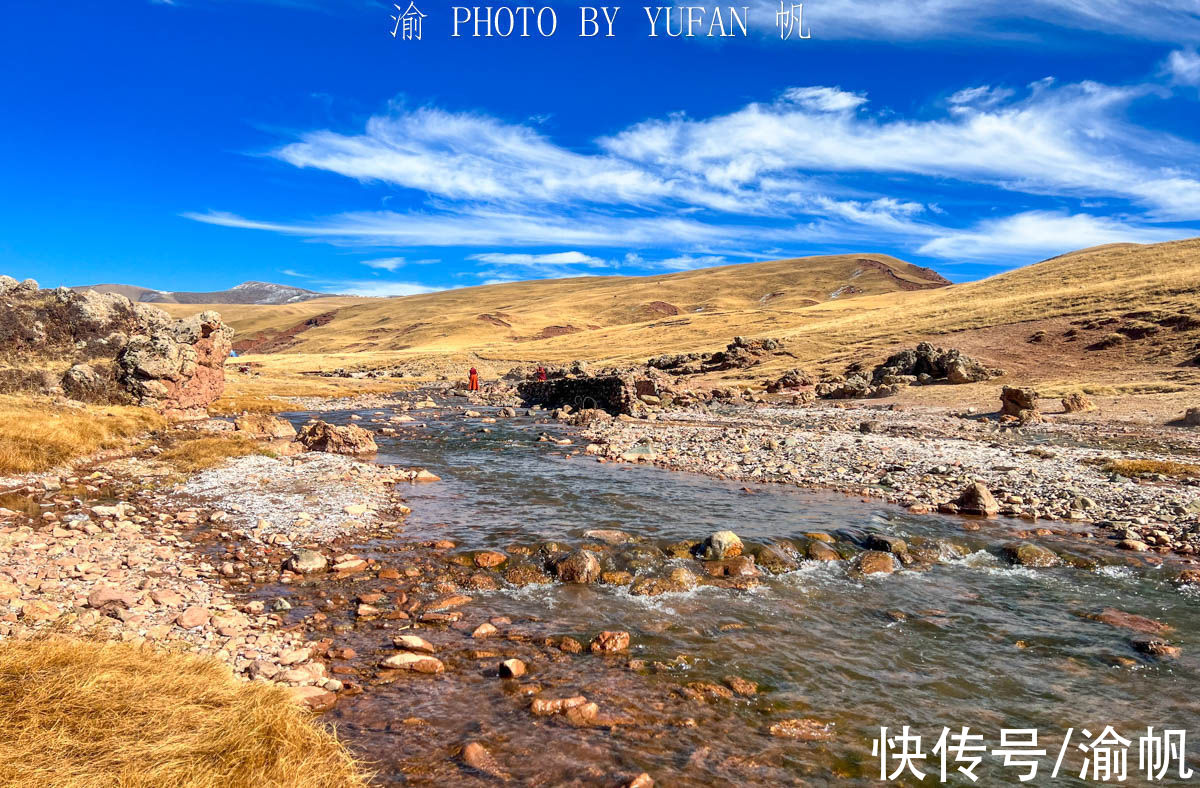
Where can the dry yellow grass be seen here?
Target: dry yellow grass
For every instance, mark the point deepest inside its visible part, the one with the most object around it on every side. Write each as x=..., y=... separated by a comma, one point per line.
x=198, y=453
x=513, y=315
x=767, y=299
x=83, y=714
x=1148, y=467
x=36, y=435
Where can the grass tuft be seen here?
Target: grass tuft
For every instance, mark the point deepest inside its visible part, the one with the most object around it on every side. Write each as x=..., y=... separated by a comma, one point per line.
x=1148, y=467
x=200, y=453
x=36, y=435
x=78, y=714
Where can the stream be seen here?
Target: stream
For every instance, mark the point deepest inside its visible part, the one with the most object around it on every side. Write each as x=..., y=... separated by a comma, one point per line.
x=970, y=641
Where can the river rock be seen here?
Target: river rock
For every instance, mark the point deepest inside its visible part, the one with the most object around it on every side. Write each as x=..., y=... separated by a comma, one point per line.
x=977, y=499
x=820, y=551
x=305, y=562
x=874, y=562
x=609, y=643
x=608, y=536
x=477, y=757
x=544, y=707
x=489, y=558
x=313, y=698
x=193, y=617
x=413, y=643
x=418, y=663
x=887, y=544
x=1155, y=646
x=348, y=439
x=512, y=669
x=1130, y=621
x=722, y=544
x=1029, y=554
x=109, y=598
x=578, y=566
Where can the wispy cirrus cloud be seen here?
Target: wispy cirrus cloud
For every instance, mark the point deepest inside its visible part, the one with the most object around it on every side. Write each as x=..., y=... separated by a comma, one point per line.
x=817, y=164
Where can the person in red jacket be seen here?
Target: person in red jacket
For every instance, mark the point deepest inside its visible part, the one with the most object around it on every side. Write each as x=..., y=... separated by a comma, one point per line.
x=474, y=380
x=541, y=373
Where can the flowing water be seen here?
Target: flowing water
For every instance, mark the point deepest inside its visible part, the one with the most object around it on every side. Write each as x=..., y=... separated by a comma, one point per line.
x=969, y=642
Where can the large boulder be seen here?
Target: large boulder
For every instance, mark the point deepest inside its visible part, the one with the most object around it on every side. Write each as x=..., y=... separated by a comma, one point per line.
x=178, y=368
x=347, y=439
x=1014, y=401
x=579, y=566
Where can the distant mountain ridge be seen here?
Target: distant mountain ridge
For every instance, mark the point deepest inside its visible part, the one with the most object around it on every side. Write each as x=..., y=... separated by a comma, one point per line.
x=245, y=293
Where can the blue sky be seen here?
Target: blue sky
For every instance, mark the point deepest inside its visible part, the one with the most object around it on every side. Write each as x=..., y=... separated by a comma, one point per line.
x=196, y=144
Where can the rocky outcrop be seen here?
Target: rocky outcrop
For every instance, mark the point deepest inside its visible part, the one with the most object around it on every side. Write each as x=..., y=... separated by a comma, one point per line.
x=613, y=391
x=923, y=365
x=348, y=439
x=741, y=353
x=178, y=368
x=104, y=348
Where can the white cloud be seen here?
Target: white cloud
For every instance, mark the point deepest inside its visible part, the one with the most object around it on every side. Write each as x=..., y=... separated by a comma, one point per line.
x=824, y=99
x=1183, y=67
x=1041, y=234
x=787, y=173
x=377, y=289
x=297, y=274
x=385, y=263
x=555, y=258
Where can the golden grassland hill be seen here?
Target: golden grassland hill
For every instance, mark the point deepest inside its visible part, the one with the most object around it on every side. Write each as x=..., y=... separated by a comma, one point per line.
x=532, y=312
x=1051, y=321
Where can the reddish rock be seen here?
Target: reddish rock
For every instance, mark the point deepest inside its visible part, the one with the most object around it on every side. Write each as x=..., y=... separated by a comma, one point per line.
x=194, y=616
x=313, y=698
x=348, y=439
x=874, y=562
x=477, y=757
x=1130, y=621
x=489, y=558
x=609, y=643
x=544, y=707
x=419, y=663
x=977, y=499
x=111, y=598
x=177, y=367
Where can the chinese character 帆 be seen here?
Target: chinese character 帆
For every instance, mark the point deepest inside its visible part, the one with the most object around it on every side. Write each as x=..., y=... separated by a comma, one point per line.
x=905, y=751
x=1157, y=752
x=791, y=20
x=408, y=23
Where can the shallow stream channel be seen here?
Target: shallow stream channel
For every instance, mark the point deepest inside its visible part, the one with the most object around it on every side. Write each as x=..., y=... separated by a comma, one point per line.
x=782, y=679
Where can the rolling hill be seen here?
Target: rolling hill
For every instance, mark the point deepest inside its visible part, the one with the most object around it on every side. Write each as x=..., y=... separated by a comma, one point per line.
x=1053, y=320
x=530, y=313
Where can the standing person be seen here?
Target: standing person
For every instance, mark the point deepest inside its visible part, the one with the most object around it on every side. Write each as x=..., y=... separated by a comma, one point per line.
x=474, y=379
x=541, y=372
